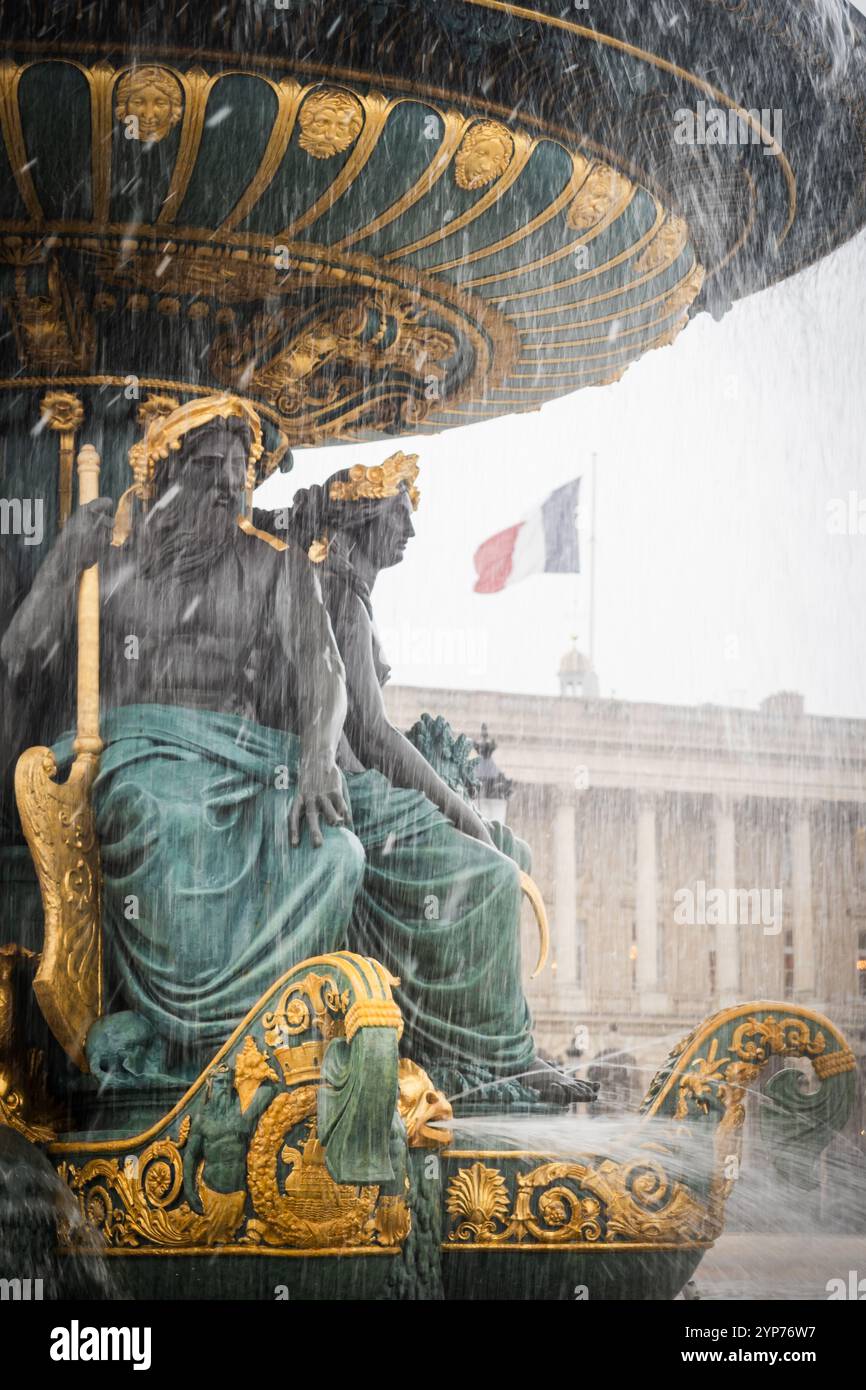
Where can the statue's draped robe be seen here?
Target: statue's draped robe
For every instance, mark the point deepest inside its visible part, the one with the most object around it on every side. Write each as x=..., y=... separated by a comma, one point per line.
x=438, y=908
x=442, y=911
x=206, y=904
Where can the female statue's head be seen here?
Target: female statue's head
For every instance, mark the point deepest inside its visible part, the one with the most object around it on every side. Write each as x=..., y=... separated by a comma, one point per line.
x=360, y=514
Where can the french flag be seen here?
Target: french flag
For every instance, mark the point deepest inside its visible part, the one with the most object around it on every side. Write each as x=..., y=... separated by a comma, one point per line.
x=545, y=543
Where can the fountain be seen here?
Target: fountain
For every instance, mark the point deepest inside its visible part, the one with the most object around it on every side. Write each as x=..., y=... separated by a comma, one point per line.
x=269, y=226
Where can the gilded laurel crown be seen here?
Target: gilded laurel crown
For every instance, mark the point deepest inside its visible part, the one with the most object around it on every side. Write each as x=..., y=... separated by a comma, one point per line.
x=166, y=423
x=382, y=480
x=165, y=433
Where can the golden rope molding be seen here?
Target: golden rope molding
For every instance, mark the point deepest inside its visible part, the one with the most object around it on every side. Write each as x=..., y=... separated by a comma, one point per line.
x=150, y=383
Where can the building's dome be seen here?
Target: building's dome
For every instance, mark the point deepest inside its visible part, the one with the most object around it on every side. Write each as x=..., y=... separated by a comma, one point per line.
x=574, y=662
x=576, y=674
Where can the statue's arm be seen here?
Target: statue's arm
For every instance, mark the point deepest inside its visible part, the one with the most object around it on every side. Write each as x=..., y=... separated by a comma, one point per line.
x=372, y=735
x=308, y=641
x=42, y=624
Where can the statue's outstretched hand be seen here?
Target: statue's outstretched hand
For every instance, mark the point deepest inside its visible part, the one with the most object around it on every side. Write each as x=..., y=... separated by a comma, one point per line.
x=320, y=793
x=86, y=537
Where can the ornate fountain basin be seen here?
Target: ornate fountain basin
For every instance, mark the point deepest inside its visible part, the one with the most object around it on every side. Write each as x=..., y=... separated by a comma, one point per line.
x=260, y=1177
x=407, y=216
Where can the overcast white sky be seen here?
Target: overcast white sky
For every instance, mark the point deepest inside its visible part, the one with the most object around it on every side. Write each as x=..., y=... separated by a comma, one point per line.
x=716, y=579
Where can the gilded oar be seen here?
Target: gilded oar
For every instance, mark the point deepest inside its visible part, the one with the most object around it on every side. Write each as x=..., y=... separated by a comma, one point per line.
x=58, y=823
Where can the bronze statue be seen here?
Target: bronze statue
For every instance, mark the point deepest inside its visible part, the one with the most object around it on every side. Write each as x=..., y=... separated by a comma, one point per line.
x=439, y=904
x=205, y=624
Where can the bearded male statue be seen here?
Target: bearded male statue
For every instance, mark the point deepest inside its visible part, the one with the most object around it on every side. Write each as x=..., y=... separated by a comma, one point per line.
x=212, y=885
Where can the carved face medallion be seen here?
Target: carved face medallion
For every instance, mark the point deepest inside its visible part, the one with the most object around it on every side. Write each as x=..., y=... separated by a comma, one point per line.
x=330, y=122
x=485, y=153
x=152, y=96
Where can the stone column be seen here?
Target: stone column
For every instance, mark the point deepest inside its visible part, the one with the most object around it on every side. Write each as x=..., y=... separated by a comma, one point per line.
x=802, y=921
x=563, y=946
x=646, y=907
x=725, y=877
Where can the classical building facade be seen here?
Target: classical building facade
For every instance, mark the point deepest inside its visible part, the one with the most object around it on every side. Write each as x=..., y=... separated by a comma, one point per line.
x=690, y=857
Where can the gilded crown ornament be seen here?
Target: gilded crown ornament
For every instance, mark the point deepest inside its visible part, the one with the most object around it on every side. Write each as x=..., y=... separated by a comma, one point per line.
x=165, y=433
x=371, y=484
x=382, y=480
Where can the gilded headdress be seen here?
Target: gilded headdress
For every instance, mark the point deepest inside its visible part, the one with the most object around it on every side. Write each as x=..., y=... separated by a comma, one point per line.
x=382, y=480
x=165, y=433
x=373, y=484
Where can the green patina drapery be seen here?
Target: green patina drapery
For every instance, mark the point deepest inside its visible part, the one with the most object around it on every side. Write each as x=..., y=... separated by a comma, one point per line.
x=206, y=903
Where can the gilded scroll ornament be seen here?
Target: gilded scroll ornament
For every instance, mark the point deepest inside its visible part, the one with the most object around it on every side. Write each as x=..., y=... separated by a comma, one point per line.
x=756, y=1040
x=330, y=121
x=314, y=1001
x=607, y=1202
x=153, y=99
x=244, y=1166
x=131, y=1201
x=308, y=363
x=577, y=1204
x=485, y=153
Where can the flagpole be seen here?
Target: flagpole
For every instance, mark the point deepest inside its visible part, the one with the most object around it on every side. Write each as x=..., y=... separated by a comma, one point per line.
x=592, y=563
